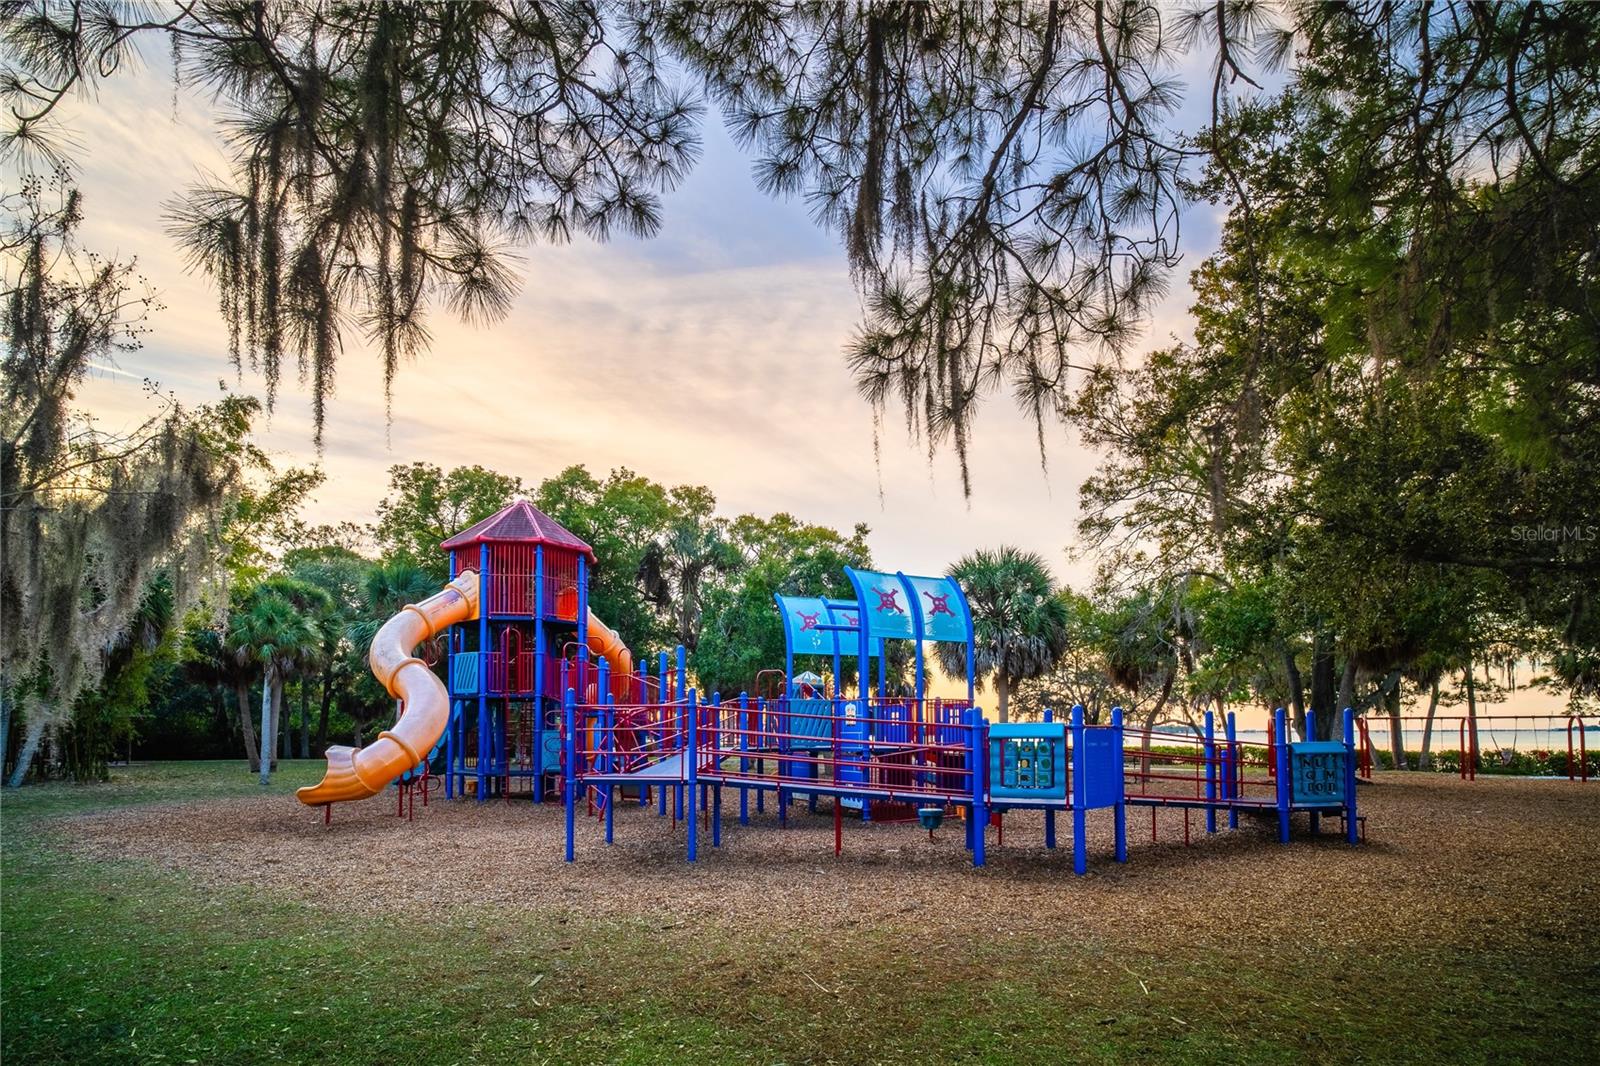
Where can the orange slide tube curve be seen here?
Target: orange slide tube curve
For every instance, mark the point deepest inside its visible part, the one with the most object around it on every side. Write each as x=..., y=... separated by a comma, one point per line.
x=356, y=773
x=604, y=642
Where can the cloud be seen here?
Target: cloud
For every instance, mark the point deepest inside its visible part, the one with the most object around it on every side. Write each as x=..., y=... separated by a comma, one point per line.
x=710, y=355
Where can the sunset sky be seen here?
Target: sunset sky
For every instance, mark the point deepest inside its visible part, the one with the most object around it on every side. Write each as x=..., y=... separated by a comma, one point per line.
x=711, y=354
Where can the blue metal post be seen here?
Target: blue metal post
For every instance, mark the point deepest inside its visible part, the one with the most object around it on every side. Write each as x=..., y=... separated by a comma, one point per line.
x=1280, y=721
x=678, y=694
x=917, y=632
x=539, y=769
x=1313, y=818
x=569, y=763
x=966, y=614
x=1121, y=809
x=1350, y=776
x=453, y=646
x=483, y=669
x=761, y=763
x=705, y=793
x=665, y=699
x=1049, y=815
x=608, y=735
x=980, y=761
x=1080, y=796
x=1211, y=772
x=744, y=760
x=716, y=768
x=692, y=757
x=1231, y=733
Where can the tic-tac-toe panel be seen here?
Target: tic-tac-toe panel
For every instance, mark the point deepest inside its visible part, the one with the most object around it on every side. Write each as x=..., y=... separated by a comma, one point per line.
x=1028, y=761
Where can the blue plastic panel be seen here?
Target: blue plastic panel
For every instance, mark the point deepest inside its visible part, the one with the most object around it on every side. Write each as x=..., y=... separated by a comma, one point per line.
x=1028, y=761
x=464, y=673
x=883, y=599
x=939, y=602
x=1102, y=782
x=1317, y=773
x=805, y=619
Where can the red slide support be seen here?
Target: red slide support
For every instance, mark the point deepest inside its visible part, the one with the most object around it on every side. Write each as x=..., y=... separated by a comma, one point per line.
x=1582, y=750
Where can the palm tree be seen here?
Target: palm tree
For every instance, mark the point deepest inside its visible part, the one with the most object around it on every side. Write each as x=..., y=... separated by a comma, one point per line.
x=1019, y=621
x=278, y=628
x=674, y=568
x=389, y=585
x=209, y=661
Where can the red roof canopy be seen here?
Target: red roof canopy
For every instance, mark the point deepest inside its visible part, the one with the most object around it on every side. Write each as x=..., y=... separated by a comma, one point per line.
x=519, y=522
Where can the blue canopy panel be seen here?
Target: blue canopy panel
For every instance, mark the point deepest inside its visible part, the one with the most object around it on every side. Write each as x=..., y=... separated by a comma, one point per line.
x=884, y=603
x=943, y=608
x=889, y=601
x=808, y=623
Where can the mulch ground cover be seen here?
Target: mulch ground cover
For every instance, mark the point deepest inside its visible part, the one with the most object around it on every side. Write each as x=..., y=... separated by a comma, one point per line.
x=1456, y=863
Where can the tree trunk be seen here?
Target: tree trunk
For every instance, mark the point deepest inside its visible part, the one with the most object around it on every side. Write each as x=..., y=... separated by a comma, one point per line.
x=1002, y=700
x=1323, y=694
x=327, y=704
x=277, y=718
x=32, y=737
x=1145, y=741
x=1297, y=688
x=268, y=683
x=305, y=718
x=247, y=729
x=1425, y=761
x=1397, y=739
x=5, y=723
x=1472, y=714
x=1327, y=727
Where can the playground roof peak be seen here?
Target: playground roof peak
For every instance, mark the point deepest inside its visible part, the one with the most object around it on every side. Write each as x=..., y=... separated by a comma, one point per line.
x=519, y=522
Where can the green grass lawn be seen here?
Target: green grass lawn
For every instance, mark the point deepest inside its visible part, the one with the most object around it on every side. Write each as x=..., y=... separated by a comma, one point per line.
x=120, y=961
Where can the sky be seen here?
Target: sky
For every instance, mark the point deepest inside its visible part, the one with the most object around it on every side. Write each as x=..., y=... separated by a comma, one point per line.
x=711, y=354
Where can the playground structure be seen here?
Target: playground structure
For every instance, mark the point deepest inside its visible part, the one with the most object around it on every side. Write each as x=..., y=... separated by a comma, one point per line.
x=894, y=755
x=543, y=695
x=518, y=631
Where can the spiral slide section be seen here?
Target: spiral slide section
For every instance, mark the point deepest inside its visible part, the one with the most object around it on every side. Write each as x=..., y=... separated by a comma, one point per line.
x=604, y=642
x=356, y=773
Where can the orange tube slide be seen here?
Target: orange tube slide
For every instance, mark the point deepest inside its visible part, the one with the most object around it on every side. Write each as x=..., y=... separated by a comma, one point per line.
x=604, y=642
x=425, y=704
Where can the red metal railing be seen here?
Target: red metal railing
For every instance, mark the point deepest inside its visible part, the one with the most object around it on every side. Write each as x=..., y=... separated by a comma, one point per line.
x=1583, y=748
x=1550, y=729
x=1239, y=771
x=767, y=745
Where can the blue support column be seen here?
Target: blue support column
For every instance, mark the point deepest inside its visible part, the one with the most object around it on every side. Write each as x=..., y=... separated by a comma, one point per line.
x=1121, y=809
x=1211, y=772
x=453, y=648
x=483, y=670
x=977, y=738
x=1280, y=722
x=678, y=695
x=1314, y=818
x=1231, y=733
x=744, y=760
x=539, y=658
x=569, y=762
x=1350, y=833
x=761, y=763
x=665, y=701
x=914, y=606
x=1080, y=795
x=607, y=744
x=716, y=717
x=692, y=760
x=1049, y=815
